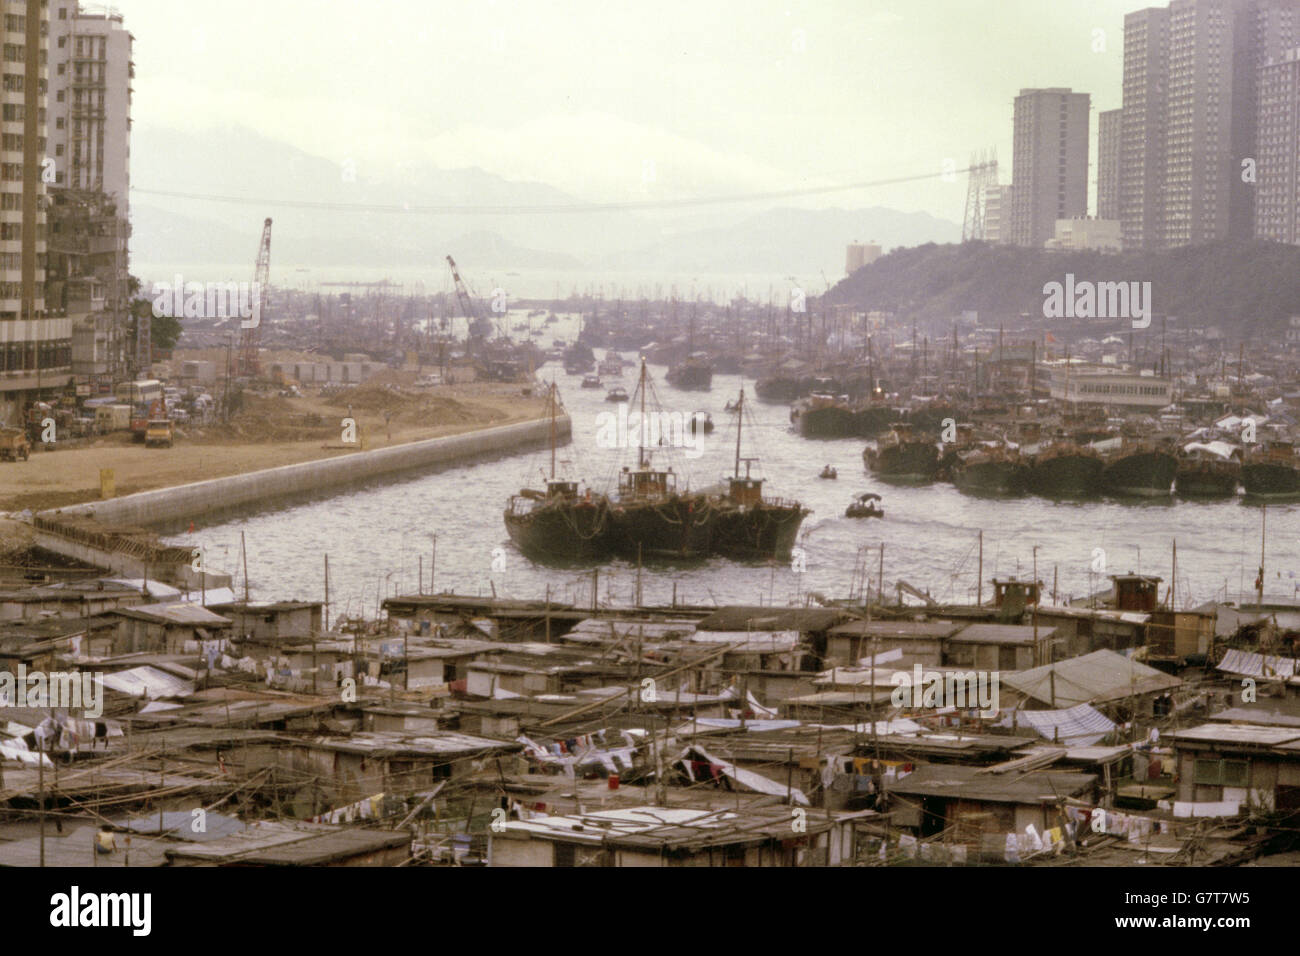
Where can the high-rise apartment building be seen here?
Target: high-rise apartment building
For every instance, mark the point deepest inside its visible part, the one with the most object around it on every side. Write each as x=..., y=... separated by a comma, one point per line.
x=1049, y=163
x=35, y=350
x=1277, y=190
x=91, y=70
x=1109, y=129
x=1190, y=123
x=1142, y=127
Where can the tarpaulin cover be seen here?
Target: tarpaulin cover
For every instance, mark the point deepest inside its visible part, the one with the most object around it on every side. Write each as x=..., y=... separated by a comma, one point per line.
x=1265, y=667
x=1077, y=726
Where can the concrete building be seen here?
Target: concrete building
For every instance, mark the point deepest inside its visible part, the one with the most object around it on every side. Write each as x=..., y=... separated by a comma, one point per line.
x=1110, y=125
x=1094, y=386
x=1277, y=191
x=1049, y=162
x=35, y=350
x=1192, y=95
x=90, y=73
x=997, y=213
x=1142, y=126
x=1074, y=234
x=860, y=254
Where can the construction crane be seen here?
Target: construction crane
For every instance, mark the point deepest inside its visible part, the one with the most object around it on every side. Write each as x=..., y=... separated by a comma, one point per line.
x=251, y=334
x=467, y=303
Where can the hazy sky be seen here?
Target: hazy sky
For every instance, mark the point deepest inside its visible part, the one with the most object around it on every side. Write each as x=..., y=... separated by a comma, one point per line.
x=619, y=101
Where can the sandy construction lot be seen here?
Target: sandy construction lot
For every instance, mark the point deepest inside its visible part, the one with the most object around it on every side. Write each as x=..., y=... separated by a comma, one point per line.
x=268, y=431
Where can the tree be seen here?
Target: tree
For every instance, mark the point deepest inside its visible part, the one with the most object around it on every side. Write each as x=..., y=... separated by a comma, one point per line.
x=164, y=330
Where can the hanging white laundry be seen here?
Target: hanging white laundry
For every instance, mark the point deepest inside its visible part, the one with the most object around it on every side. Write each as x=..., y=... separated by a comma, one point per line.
x=1012, y=851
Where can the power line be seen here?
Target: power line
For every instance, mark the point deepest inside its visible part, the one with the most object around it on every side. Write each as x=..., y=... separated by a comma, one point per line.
x=523, y=210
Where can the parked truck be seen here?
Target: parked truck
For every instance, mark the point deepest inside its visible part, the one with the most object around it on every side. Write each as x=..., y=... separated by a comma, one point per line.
x=112, y=418
x=160, y=433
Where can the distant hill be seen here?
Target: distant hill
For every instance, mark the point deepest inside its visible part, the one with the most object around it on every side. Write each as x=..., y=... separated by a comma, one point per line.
x=798, y=241
x=1241, y=286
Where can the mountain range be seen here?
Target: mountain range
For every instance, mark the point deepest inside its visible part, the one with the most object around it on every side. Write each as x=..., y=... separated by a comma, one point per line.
x=340, y=215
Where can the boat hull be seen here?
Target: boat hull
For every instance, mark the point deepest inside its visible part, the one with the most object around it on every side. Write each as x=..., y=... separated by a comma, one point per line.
x=757, y=532
x=1064, y=476
x=675, y=527
x=1200, y=481
x=907, y=462
x=1270, y=479
x=990, y=477
x=577, y=531
x=1147, y=474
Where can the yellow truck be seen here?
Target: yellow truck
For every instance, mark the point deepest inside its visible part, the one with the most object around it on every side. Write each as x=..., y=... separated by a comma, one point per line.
x=159, y=433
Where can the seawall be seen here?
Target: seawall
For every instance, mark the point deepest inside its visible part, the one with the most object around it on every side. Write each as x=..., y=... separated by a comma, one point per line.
x=181, y=504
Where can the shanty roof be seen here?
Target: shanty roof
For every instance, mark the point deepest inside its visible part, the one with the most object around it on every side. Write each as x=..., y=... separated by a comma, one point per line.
x=437, y=743
x=66, y=591
x=904, y=630
x=181, y=613
x=256, y=607
x=1092, y=678
x=598, y=630
x=1255, y=735
x=146, y=682
x=763, y=642
x=1092, y=613
x=1264, y=667
x=275, y=843
x=745, y=618
x=654, y=828
x=969, y=783
x=1002, y=634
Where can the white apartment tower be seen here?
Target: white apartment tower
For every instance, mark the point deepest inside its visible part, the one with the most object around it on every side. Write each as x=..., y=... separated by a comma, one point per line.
x=1049, y=163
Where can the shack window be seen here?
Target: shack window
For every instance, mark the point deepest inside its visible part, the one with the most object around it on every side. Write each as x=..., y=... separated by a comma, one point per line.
x=1222, y=773
x=571, y=854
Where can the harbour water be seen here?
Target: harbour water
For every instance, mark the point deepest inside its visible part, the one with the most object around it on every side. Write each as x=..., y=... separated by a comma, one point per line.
x=376, y=537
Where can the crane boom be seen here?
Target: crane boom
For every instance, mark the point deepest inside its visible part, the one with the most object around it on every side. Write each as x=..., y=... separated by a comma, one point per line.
x=252, y=327
x=462, y=293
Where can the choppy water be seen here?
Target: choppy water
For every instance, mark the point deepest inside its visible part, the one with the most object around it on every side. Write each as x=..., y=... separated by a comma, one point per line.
x=375, y=537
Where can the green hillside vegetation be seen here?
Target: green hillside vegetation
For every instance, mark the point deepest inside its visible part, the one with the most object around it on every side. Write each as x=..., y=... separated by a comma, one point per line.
x=1243, y=287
